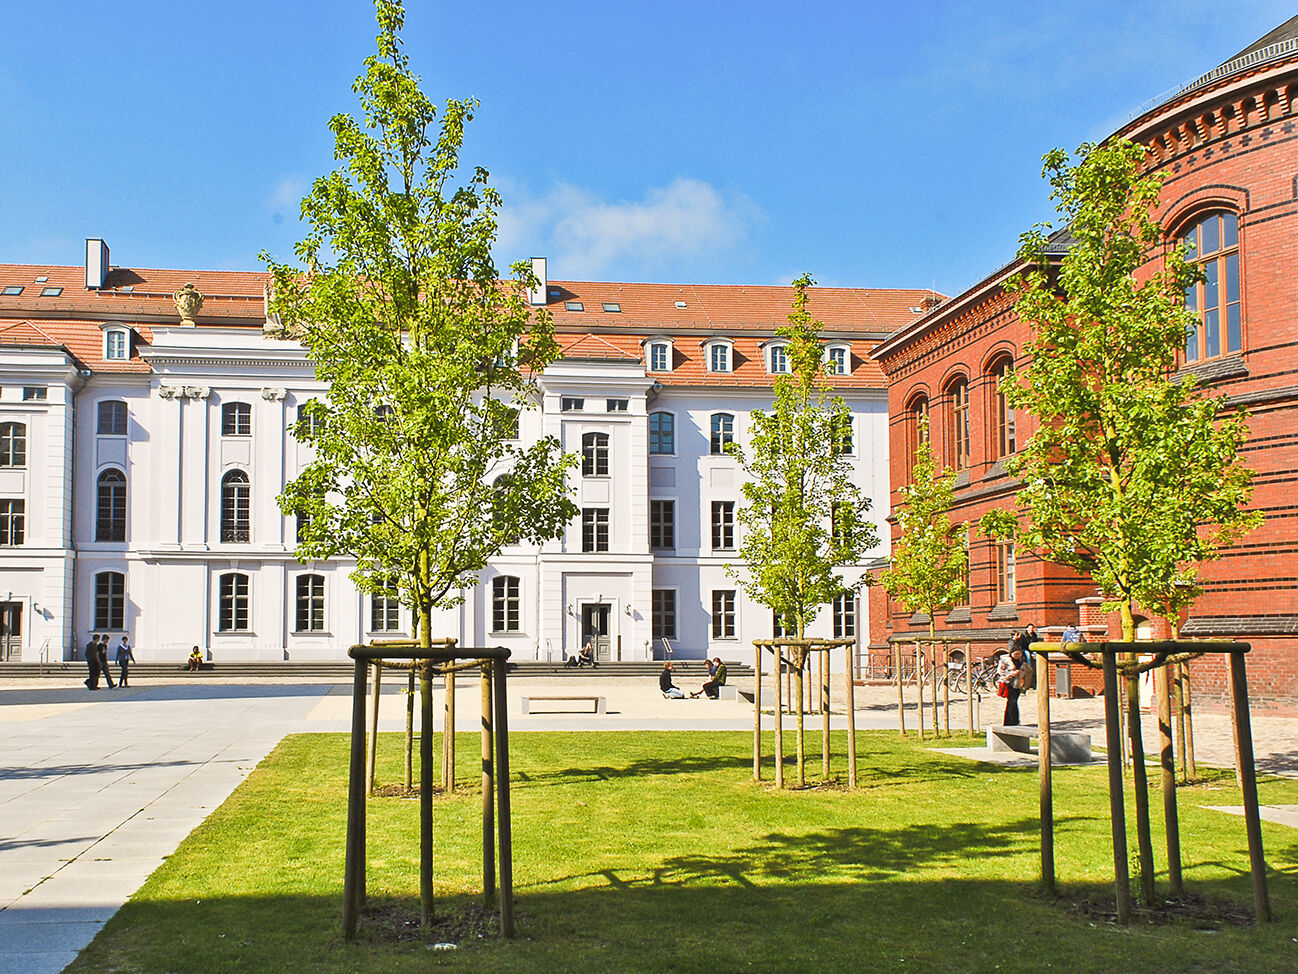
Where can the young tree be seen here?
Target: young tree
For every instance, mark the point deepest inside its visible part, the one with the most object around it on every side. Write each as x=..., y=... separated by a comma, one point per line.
x=1132, y=475
x=929, y=562
x=428, y=357
x=803, y=516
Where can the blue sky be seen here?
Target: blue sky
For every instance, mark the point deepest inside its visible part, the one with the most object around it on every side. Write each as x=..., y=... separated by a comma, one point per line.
x=872, y=144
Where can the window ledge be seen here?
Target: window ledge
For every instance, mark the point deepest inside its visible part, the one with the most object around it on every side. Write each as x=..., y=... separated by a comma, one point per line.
x=919, y=619
x=961, y=614
x=1215, y=369
x=962, y=478
x=1006, y=610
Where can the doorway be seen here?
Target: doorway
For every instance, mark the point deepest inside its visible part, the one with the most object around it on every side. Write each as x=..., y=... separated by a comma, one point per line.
x=11, y=631
x=594, y=626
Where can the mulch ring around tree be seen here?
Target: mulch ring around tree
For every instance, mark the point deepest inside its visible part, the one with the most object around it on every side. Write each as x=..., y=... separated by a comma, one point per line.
x=398, y=923
x=1204, y=915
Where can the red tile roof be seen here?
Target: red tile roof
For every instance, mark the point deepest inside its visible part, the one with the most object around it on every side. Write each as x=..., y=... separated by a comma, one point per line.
x=687, y=313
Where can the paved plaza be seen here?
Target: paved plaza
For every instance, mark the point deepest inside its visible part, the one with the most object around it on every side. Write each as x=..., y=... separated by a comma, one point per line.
x=98, y=788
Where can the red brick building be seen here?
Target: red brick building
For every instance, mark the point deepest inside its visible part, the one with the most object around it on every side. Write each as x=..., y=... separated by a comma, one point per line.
x=1227, y=145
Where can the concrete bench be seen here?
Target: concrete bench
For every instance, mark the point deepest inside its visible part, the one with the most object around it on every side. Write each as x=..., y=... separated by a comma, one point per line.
x=599, y=704
x=1066, y=747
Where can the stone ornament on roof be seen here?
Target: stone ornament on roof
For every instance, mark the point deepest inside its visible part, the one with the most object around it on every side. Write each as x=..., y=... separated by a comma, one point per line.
x=189, y=301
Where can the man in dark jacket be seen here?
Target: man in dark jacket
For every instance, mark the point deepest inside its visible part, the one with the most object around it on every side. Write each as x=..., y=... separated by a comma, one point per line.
x=102, y=651
x=665, y=684
x=92, y=662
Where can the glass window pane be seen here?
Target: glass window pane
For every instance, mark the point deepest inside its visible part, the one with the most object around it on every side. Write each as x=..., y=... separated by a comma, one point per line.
x=1210, y=240
x=1229, y=230
x=1210, y=297
x=1232, y=278
x=1192, y=344
x=1234, y=338
x=1211, y=333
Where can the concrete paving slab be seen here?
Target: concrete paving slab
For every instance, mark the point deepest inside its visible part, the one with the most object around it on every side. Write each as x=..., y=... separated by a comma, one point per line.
x=1279, y=814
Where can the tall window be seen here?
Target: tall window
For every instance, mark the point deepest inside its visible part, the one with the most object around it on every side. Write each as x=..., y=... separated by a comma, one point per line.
x=310, y=603
x=1005, y=571
x=783, y=627
x=236, y=419
x=236, y=500
x=723, y=614
x=779, y=359
x=594, y=455
x=13, y=445
x=662, y=524
x=232, y=610
x=110, y=600
x=959, y=438
x=836, y=363
x=723, y=432
x=663, y=613
x=719, y=357
x=662, y=433
x=842, y=518
x=504, y=604
x=308, y=420
x=723, y=525
x=1005, y=440
x=110, y=506
x=115, y=345
x=916, y=422
x=13, y=518
x=111, y=418
x=1213, y=241
x=841, y=426
x=845, y=616
x=385, y=609
x=594, y=529
x=660, y=357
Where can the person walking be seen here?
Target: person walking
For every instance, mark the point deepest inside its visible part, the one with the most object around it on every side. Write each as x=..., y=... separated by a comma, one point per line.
x=92, y=662
x=103, y=661
x=124, y=658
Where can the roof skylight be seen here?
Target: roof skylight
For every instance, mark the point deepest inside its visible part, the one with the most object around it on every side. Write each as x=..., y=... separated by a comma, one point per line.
x=574, y=306
x=51, y=292
x=680, y=304
x=612, y=306
x=42, y=279
x=13, y=289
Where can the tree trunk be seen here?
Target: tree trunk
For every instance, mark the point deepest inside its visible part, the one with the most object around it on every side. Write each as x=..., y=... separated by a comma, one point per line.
x=800, y=701
x=410, y=729
x=425, y=758
x=1144, y=842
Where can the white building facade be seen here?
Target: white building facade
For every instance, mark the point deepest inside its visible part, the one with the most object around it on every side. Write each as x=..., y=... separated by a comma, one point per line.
x=142, y=452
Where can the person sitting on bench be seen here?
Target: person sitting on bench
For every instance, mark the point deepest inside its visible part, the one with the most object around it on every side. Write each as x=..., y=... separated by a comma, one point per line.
x=670, y=690
x=718, y=680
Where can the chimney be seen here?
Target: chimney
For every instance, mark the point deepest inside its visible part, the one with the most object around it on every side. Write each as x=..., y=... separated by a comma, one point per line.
x=97, y=266
x=536, y=295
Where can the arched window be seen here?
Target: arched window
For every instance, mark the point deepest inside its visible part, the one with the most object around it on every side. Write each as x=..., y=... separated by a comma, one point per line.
x=660, y=357
x=1004, y=439
x=505, y=604
x=662, y=433
x=110, y=600
x=13, y=445
x=723, y=432
x=110, y=506
x=310, y=603
x=958, y=433
x=236, y=419
x=236, y=500
x=718, y=356
x=111, y=418
x=1213, y=241
x=777, y=359
x=232, y=611
x=594, y=455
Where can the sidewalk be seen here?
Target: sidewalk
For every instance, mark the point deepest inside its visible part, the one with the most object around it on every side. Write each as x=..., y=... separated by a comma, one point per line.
x=97, y=789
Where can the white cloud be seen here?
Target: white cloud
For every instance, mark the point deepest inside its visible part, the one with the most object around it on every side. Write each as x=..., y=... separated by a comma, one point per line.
x=587, y=237
x=287, y=194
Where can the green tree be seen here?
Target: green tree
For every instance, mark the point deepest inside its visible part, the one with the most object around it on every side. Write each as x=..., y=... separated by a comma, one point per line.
x=929, y=563
x=1132, y=474
x=802, y=516
x=428, y=357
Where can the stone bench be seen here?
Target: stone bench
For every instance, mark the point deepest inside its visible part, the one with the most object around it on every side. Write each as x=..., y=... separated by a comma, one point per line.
x=1066, y=747
x=598, y=704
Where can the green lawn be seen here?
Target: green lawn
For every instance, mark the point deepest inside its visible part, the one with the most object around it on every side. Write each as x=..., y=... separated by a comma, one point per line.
x=657, y=852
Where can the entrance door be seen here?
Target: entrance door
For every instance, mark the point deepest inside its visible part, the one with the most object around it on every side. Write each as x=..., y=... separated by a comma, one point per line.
x=11, y=630
x=594, y=626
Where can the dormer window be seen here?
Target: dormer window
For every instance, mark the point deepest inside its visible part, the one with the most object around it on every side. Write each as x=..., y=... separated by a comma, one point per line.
x=719, y=358
x=660, y=356
x=117, y=345
x=837, y=359
x=777, y=357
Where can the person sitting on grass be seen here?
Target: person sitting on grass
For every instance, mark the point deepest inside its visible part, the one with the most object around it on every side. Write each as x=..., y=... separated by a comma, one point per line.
x=195, y=660
x=710, y=688
x=670, y=690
